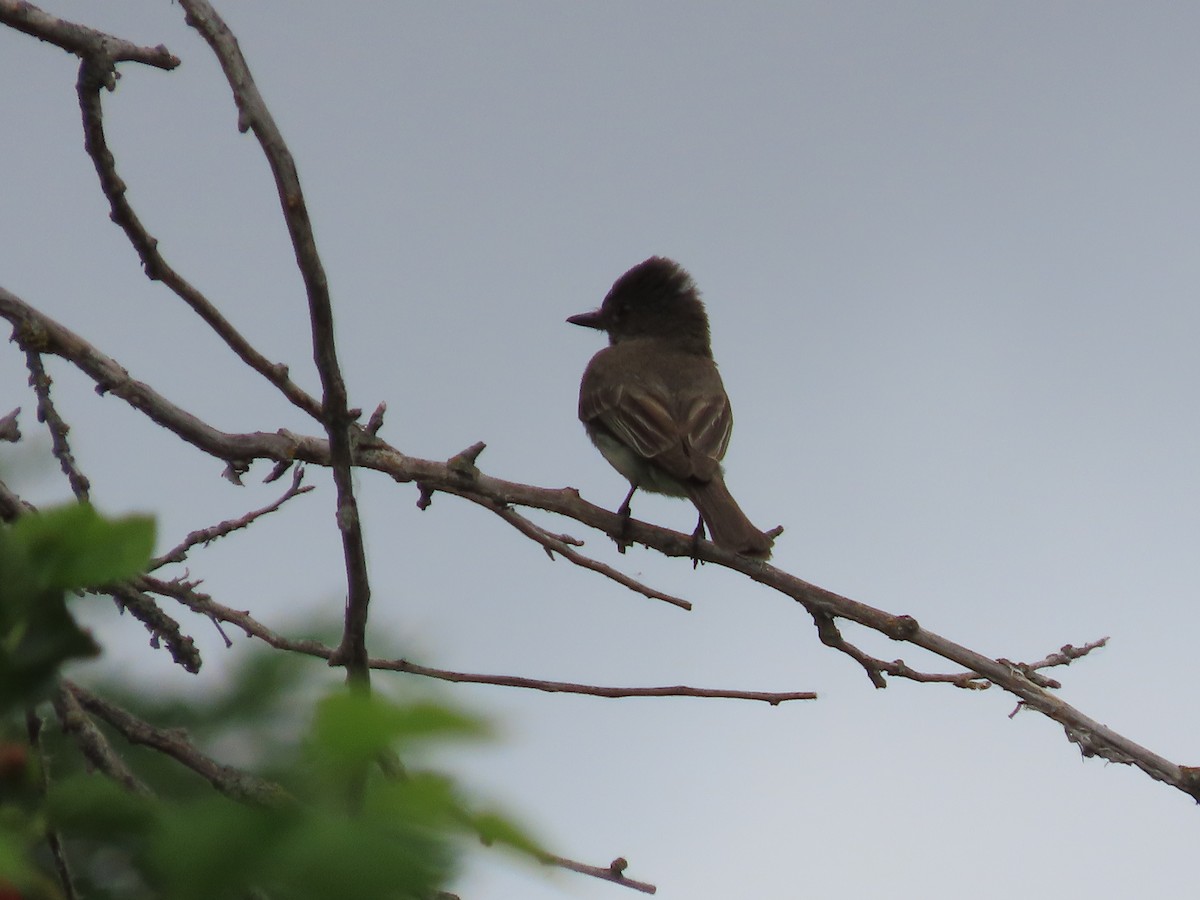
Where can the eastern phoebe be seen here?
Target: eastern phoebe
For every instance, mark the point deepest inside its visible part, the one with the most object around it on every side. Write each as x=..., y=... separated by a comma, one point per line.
x=653, y=402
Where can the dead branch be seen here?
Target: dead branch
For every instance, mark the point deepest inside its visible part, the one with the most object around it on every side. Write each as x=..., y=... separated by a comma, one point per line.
x=96, y=749
x=10, y=432
x=1092, y=737
x=48, y=415
x=94, y=74
x=202, y=603
x=163, y=629
x=336, y=415
x=561, y=544
x=207, y=535
x=229, y=781
x=614, y=871
x=84, y=42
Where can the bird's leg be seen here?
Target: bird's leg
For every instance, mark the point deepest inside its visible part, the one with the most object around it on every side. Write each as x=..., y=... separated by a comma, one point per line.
x=625, y=512
x=697, y=536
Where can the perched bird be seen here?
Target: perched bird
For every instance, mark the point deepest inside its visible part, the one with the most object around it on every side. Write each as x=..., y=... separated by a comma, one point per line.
x=653, y=402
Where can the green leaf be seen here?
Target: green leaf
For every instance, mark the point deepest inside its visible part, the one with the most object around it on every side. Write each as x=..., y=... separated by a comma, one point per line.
x=494, y=828
x=95, y=807
x=354, y=728
x=75, y=547
x=41, y=556
x=31, y=650
x=214, y=847
x=359, y=858
x=14, y=859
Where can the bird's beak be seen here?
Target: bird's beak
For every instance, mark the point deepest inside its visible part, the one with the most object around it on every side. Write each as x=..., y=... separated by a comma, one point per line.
x=591, y=319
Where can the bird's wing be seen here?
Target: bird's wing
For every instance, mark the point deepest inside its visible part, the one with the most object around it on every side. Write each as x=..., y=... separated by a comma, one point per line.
x=636, y=416
x=685, y=446
x=708, y=425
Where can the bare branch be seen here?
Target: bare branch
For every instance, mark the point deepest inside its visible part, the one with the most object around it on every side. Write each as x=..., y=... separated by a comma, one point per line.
x=213, y=532
x=831, y=636
x=1092, y=737
x=229, y=781
x=11, y=505
x=1066, y=655
x=614, y=872
x=84, y=42
x=92, y=77
x=558, y=543
x=95, y=747
x=973, y=681
x=10, y=432
x=162, y=627
x=565, y=687
x=33, y=331
x=48, y=414
x=205, y=605
x=337, y=417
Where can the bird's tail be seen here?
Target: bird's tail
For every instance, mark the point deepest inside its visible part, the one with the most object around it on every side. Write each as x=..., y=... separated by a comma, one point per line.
x=726, y=522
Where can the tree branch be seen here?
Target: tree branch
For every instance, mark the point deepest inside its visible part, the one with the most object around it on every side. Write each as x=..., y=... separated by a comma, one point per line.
x=229, y=781
x=48, y=414
x=179, y=553
x=203, y=604
x=1093, y=738
x=561, y=544
x=11, y=505
x=337, y=417
x=162, y=628
x=614, y=872
x=74, y=721
x=94, y=73
x=84, y=42
x=10, y=432
x=774, y=698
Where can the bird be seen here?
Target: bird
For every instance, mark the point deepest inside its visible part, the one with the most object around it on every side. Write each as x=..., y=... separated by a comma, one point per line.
x=653, y=402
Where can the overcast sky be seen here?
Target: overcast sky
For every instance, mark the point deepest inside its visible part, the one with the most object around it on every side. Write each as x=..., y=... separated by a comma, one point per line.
x=949, y=255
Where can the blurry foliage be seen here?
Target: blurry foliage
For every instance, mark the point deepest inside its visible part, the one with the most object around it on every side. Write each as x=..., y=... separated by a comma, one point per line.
x=351, y=822
x=42, y=557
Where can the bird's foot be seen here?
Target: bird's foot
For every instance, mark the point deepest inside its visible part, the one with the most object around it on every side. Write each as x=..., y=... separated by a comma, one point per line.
x=697, y=536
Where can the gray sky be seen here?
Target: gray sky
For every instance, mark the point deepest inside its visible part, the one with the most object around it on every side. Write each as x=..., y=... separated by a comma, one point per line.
x=949, y=255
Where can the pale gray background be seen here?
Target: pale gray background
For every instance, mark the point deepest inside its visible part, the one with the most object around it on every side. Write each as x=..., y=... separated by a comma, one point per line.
x=949, y=251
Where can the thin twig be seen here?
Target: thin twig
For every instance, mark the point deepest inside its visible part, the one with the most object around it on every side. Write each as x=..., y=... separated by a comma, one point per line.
x=179, y=553
x=831, y=636
x=558, y=544
x=614, y=872
x=47, y=413
x=93, y=75
x=1066, y=655
x=774, y=698
x=205, y=605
